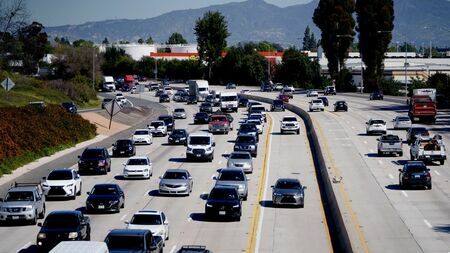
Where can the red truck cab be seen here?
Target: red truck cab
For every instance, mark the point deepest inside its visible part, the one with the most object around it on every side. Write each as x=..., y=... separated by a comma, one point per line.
x=219, y=124
x=422, y=108
x=128, y=82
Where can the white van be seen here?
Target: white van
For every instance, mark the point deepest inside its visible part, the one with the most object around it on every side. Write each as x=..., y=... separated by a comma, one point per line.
x=200, y=146
x=228, y=101
x=199, y=88
x=108, y=83
x=80, y=247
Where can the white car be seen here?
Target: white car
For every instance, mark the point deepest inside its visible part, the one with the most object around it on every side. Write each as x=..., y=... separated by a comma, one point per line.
x=289, y=124
x=316, y=105
x=142, y=136
x=168, y=91
x=375, y=126
x=258, y=124
x=158, y=127
x=138, y=166
x=402, y=122
x=155, y=221
x=62, y=183
x=312, y=93
x=121, y=98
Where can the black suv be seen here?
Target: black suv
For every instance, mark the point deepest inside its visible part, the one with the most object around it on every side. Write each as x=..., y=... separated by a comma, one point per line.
x=63, y=226
x=201, y=118
x=340, y=106
x=105, y=198
x=191, y=99
x=70, y=107
x=206, y=107
x=242, y=102
x=249, y=129
x=169, y=120
x=376, y=95
x=277, y=105
x=133, y=240
x=94, y=160
x=223, y=201
x=164, y=98
x=414, y=173
x=246, y=143
x=124, y=147
x=178, y=136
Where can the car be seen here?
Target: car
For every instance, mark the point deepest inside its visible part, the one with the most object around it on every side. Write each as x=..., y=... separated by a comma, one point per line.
x=158, y=128
x=316, y=105
x=288, y=191
x=376, y=95
x=278, y=87
x=415, y=132
x=242, y=102
x=178, y=136
x=429, y=150
x=154, y=87
x=223, y=202
x=142, y=136
x=390, y=144
x=283, y=98
x=94, y=160
x=183, y=97
x=329, y=90
x=191, y=99
x=375, y=126
x=138, y=167
x=164, y=98
x=249, y=129
x=176, y=182
x=259, y=124
x=340, y=106
x=240, y=160
x=106, y=101
x=159, y=92
x=277, y=105
x=288, y=91
x=124, y=147
x=168, y=90
x=121, y=97
x=153, y=220
x=169, y=121
x=324, y=100
x=201, y=118
x=210, y=99
x=247, y=143
x=252, y=103
x=257, y=116
x=133, y=90
x=289, y=124
x=200, y=145
x=231, y=86
x=234, y=178
x=229, y=117
x=105, y=198
x=266, y=87
x=133, y=240
x=312, y=93
x=414, y=173
x=62, y=183
x=63, y=226
x=193, y=249
x=24, y=202
x=219, y=123
x=402, y=122
x=179, y=113
x=177, y=96
x=70, y=107
x=258, y=109
x=206, y=107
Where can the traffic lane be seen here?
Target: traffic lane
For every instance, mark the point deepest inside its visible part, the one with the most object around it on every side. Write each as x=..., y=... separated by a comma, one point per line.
x=287, y=229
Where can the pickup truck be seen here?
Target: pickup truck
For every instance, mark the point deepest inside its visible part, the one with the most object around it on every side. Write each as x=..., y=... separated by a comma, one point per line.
x=422, y=108
x=134, y=240
x=428, y=150
x=219, y=123
x=390, y=144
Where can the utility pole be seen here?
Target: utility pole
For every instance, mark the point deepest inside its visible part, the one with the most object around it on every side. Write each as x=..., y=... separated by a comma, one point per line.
x=429, y=56
x=406, y=70
x=93, y=68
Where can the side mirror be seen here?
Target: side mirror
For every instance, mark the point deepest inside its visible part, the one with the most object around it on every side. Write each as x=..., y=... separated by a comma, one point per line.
x=124, y=164
x=44, y=178
x=378, y=139
x=367, y=123
x=272, y=186
x=428, y=169
x=248, y=179
x=126, y=222
x=185, y=144
x=214, y=178
x=166, y=223
x=113, y=144
x=400, y=170
x=39, y=224
x=304, y=187
x=79, y=156
x=160, y=177
x=190, y=178
x=88, y=193
x=214, y=144
x=1, y=199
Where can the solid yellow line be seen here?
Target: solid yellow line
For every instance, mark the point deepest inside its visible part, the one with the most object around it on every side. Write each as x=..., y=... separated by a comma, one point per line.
x=251, y=241
x=353, y=216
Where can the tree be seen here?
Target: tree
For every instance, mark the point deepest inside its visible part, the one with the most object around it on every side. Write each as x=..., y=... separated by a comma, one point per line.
x=141, y=41
x=34, y=46
x=149, y=40
x=312, y=43
x=307, y=39
x=176, y=38
x=71, y=61
x=83, y=43
x=334, y=19
x=375, y=25
x=105, y=41
x=211, y=32
x=13, y=16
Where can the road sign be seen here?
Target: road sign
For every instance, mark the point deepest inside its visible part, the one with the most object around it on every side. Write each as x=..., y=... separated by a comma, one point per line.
x=8, y=84
x=113, y=107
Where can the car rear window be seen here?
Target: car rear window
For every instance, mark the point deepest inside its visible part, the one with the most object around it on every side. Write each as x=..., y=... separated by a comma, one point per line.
x=137, y=161
x=146, y=219
x=60, y=175
x=231, y=176
x=240, y=156
x=377, y=122
x=390, y=138
x=416, y=168
x=132, y=243
x=92, y=153
x=61, y=221
x=175, y=175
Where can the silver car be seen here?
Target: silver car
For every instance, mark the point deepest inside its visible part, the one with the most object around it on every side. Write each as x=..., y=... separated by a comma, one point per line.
x=179, y=113
x=235, y=178
x=176, y=182
x=288, y=191
x=241, y=160
x=402, y=122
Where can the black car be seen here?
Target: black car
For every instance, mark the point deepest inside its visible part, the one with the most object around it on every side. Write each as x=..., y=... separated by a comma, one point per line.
x=63, y=226
x=183, y=97
x=193, y=249
x=94, y=160
x=133, y=240
x=223, y=201
x=178, y=136
x=70, y=107
x=169, y=120
x=164, y=98
x=340, y=106
x=192, y=99
x=330, y=90
x=106, y=101
x=210, y=99
x=376, y=95
x=277, y=105
x=414, y=173
x=242, y=102
x=246, y=143
x=201, y=118
x=206, y=107
x=324, y=100
x=266, y=87
x=413, y=132
x=249, y=129
x=231, y=86
x=105, y=198
x=124, y=147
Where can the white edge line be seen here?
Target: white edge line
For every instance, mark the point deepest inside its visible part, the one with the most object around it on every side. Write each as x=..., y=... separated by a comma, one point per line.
x=28, y=244
x=404, y=193
x=437, y=173
x=123, y=217
x=220, y=162
x=427, y=223
x=173, y=249
x=189, y=219
x=380, y=162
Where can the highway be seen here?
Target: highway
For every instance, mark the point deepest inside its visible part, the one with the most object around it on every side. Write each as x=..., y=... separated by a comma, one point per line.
x=262, y=227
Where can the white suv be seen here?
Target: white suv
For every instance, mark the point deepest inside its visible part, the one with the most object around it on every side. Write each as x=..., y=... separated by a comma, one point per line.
x=200, y=145
x=158, y=127
x=143, y=136
x=138, y=166
x=155, y=221
x=62, y=183
x=375, y=126
x=289, y=124
x=316, y=105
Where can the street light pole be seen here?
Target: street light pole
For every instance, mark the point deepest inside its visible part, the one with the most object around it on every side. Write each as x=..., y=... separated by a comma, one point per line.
x=406, y=70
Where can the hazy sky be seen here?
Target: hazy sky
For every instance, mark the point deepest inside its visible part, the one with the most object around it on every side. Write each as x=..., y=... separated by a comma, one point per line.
x=63, y=12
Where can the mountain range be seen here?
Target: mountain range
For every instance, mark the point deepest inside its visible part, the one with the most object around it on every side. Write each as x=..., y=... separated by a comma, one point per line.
x=416, y=21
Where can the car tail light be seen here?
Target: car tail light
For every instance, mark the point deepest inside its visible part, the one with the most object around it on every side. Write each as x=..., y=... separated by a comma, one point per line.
x=428, y=175
x=102, y=163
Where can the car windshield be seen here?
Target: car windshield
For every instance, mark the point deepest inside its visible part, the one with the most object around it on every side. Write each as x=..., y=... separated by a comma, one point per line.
x=390, y=138
x=231, y=176
x=104, y=190
x=218, y=119
x=289, y=119
x=128, y=243
x=141, y=132
x=277, y=102
x=247, y=127
x=178, y=132
x=317, y=101
x=201, y=115
x=224, y=194
x=60, y=175
x=377, y=122
x=245, y=139
x=288, y=184
x=403, y=119
x=199, y=140
x=146, y=219
x=179, y=110
x=175, y=175
x=137, y=161
x=92, y=153
x=157, y=124
x=19, y=196
x=123, y=143
x=416, y=168
x=61, y=221
x=206, y=105
x=68, y=104
x=240, y=156
x=228, y=98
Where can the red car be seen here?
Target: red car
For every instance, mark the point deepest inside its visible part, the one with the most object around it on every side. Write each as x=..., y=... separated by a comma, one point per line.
x=285, y=98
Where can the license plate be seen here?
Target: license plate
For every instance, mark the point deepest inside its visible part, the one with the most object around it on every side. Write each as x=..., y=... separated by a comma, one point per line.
x=101, y=207
x=198, y=155
x=222, y=212
x=122, y=152
x=416, y=176
x=91, y=168
x=177, y=141
x=15, y=217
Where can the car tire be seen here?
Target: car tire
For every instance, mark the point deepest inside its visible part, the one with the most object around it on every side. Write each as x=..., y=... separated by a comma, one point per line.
x=75, y=193
x=380, y=153
x=88, y=234
x=281, y=131
x=441, y=162
x=298, y=131
x=42, y=214
x=400, y=154
x=123, y=205
x=245, y=197
x=429, y=186
x=34, y=220
x=302, y=206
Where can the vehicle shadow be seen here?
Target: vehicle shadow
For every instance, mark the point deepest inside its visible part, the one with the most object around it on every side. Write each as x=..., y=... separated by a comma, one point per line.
x=394, y=187
x=372, y=155
x=154, y=193
x=202, y=217
x=442, y=228
x=121, y=177
x=225, y=155
x=231, y=141
x=31, y=249
x=178, y=160
x=81, y=209
x=266, y=203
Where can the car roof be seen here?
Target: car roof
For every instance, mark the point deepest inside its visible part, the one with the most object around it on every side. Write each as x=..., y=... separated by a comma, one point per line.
x=231, y=170
x=129, y=232
x=62, y=169
x=65, y=212
x=144, y=211
x=177, y=170
x=199, y=133
x=98, y=149
x=287, y=179
x=240, y=152
x=137, y=157
x=141, y=129
x=157, y=121
x=106, y=185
